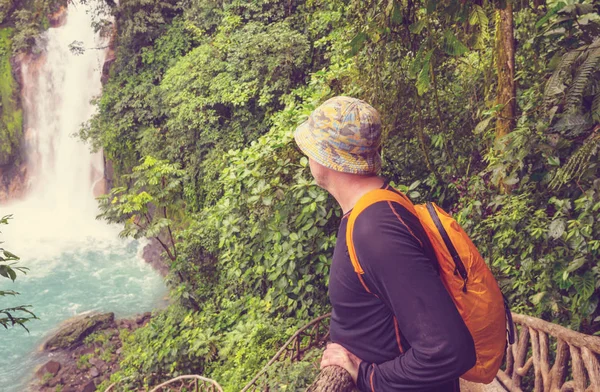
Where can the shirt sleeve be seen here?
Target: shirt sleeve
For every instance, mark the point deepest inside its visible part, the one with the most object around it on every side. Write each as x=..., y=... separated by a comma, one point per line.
x=400, y=273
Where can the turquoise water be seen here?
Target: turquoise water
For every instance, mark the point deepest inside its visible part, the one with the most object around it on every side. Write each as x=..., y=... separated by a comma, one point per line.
x=97, y=275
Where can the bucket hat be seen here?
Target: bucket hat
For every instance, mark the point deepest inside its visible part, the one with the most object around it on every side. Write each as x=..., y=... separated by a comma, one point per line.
x=343, y=134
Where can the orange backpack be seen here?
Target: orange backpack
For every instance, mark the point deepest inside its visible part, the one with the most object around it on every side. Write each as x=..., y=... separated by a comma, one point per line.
x=465, y=274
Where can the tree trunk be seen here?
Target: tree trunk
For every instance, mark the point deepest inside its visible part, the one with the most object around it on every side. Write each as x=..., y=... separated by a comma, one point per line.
x=333, y=379
x=505, y=48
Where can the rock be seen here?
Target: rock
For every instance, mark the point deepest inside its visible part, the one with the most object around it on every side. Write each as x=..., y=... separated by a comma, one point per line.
x=87, y=350
x=73, y=332
x=94, y=372
x=142, y=318
x=152, y=254
x=89, y=387
x=55, y=381
x=58, y=18
x=51, y=367
x=96, y=362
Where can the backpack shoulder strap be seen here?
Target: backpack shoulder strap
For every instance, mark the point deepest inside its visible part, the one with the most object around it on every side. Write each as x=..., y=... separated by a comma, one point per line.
x=365, y=201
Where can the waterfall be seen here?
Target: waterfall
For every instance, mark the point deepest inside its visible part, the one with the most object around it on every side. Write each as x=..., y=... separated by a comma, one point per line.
x=58, y=86
x=77, y=263
x=56, y=102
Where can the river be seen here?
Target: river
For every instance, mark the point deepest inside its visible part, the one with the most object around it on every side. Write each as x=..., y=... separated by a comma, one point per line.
x=77, y=263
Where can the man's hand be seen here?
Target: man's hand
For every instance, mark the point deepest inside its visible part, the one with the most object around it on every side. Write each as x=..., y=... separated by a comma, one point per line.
x=335, y=354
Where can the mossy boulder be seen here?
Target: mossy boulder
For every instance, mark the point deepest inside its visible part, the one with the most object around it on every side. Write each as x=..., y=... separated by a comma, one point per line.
x=74, y=331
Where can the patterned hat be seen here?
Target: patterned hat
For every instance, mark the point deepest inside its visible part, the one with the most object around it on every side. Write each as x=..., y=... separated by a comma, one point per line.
x=343, y=134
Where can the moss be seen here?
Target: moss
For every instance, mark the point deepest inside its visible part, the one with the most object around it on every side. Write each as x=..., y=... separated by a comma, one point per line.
x=11, y=116
x=75, y=331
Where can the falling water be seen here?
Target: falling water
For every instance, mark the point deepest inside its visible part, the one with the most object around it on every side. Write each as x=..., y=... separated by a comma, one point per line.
x=76, y=263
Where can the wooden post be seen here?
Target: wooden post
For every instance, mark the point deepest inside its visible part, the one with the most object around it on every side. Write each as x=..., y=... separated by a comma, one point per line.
x=559, y=369
x=578, y=372
x=333, y=379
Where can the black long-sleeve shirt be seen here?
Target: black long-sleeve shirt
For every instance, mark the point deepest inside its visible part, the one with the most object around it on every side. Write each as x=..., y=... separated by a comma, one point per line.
x=408, y=332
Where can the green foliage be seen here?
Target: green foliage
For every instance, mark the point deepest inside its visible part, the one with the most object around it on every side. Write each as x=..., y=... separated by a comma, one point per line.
x=248, y=280
x=147, y=205
x=5, y=8
x=83, y=362
x=207, y=100
x=29, y=18
x=288, y=376
x=46, y=377
x=10, y=113
x=16, y=315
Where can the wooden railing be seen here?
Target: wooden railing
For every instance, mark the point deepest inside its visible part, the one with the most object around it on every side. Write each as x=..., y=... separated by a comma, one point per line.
x=313, y=334
x=531, y=351
x=561, y=359
x=190, y=383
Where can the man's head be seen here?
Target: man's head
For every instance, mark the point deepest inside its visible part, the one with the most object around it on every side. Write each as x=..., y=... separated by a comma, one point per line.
x=342, y=135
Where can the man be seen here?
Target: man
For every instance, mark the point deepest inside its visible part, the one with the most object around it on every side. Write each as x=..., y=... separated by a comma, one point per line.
x=396, y=327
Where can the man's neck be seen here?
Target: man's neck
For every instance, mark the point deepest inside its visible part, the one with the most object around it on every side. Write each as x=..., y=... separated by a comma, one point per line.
x=347, y=190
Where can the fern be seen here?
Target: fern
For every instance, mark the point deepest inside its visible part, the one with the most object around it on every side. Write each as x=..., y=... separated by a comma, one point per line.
x=596, y=108
x=582, y=79
x=579, y=162
x=452, y=45
x=424, y=79
x=573, y=124
x=555, y=85
x=479, y=18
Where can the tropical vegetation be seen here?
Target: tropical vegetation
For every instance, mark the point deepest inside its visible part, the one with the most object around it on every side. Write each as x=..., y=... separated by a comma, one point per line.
x=490, y=108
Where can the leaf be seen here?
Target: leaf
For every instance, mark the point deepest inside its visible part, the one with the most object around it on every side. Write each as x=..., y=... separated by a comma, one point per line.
x=573, y=124
x=582, y=80
x=4, y=271
x=9, y=255
x=557, y=228
x=416, y=64
x=479, y=18
x=396, y=16
x=550, y=14
x=423, y=79
x=511, y=180
x=596, y=108
x=479, y=128
x=585, y=285
x=537, y=298
x=555, y=85
x=576, y=264
x=554, y=161
x=431, y=6
x=417, y=27
x=12, y=274
x=452, y=45
x=357, y=43
x=414, y=185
